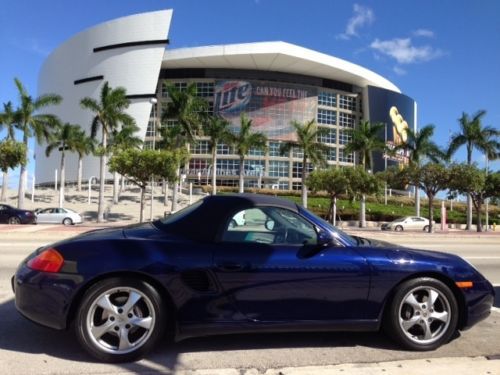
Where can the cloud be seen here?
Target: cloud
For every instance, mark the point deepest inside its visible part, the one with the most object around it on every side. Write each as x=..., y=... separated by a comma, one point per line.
x=399, y=71
x=404, y=52
x=30, y=45
x=362, y=16
x=424, y=33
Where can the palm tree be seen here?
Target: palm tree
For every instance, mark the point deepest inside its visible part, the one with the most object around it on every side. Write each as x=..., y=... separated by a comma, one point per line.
x=109, y=113
x=40, y=125
x=418, y=146
x=7, y=121
x=365, y=140
x=65, y=138
x=243, y=142
x=189, y=111
x=217, y=129
x=123, y=139
x=314, y=151
x=473, y=135
x=85, y=146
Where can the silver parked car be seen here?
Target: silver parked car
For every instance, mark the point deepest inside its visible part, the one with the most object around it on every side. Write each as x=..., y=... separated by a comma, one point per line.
x=57, y=215
x=408, y=223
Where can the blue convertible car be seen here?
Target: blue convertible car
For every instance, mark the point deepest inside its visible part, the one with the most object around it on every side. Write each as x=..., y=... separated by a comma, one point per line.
x=279, y=269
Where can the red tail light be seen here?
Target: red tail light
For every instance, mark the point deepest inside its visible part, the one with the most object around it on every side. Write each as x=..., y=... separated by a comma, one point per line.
x=49, y=260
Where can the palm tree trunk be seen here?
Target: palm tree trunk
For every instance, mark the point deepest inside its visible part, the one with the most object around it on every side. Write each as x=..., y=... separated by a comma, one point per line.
x=175, y=187
x=141, y=214
x=477, y=206
x=5, y=185
x=362, y=212
x=62, y=179
x=417, y=202
x=431, y=213
x=214, y=170
x=102, y=177
x=304, y=177
x=116, y=182
x=242, y=177
x=80, y=170
x=22, y=177
x=469, y=198
x=165, y=192
x=469, y=213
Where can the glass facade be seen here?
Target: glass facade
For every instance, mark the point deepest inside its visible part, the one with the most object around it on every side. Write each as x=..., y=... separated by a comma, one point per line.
x=271, y=105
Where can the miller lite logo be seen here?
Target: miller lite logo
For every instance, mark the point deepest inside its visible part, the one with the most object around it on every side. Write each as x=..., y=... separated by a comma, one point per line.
x=232, y=96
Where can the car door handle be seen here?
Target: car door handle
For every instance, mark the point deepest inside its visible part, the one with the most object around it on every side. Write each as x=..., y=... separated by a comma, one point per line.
x=230, y=266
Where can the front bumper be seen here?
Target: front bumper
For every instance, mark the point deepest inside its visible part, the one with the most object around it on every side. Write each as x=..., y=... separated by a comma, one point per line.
x=43, y=297
x=478, y=303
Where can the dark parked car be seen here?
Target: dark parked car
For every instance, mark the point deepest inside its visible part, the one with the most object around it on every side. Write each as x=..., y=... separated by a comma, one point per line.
x=196, y=274
x=11, y=215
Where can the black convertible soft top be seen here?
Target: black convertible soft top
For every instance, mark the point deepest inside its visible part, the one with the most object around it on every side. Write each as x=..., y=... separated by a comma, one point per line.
x=203, y=223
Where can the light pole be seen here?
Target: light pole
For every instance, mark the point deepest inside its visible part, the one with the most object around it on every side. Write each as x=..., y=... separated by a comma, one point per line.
x=153, y=102
x=486, y=217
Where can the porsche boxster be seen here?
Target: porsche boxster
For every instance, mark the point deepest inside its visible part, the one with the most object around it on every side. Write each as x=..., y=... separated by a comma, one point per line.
x=195, y=273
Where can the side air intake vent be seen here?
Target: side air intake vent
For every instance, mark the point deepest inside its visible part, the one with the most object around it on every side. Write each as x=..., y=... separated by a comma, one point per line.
x=197, y=280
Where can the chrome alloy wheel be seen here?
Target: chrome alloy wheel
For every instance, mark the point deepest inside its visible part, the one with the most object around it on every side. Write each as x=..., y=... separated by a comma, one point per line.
x=120, y=320
x=424, y=315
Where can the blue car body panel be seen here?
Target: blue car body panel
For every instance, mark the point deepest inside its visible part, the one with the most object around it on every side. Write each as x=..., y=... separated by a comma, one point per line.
x=223, y=287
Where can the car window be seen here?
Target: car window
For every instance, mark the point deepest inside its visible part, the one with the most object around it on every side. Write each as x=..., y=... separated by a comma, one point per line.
x=2, y=207
x=269, y=225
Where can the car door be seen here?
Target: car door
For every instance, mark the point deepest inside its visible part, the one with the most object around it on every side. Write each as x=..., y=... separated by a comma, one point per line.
x=43, y=216
x=275, y=270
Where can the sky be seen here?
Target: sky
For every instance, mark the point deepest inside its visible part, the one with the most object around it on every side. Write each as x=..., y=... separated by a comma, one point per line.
x=444, y=54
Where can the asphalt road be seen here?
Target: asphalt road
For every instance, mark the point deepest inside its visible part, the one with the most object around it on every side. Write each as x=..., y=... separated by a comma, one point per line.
x=26, y=348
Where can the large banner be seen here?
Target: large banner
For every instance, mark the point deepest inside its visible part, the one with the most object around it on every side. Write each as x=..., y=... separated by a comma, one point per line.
x=271, y=106
x=397, y=112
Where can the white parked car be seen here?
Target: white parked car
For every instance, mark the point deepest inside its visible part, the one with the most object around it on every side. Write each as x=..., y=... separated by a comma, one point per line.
x=408, y=223
x=55, y=215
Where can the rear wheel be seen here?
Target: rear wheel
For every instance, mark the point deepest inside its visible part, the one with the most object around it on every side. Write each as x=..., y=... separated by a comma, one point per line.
x=14, y=220
x=423, y=314
x=120, y=319
x=67, y=221
x=426, y=228
x=398, y=228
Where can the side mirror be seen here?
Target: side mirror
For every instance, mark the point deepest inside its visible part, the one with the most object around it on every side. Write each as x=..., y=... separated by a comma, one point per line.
x=269, y=224
x=324, y=238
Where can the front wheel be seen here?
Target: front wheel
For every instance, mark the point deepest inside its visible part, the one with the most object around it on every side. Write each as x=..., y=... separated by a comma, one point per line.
x=398, y=228
x=120, y=319
x=423, y=314
x=426, y=228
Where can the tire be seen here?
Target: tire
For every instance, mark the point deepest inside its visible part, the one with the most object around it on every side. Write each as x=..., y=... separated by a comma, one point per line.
x=104, y=314
x=233, y=223
x=426, y=228
x=14, y=220
x=417, y=324
x=67, y=221
x=398, y=228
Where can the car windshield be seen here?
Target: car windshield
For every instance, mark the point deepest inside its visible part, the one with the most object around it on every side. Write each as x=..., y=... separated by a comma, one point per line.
x=399, y=220
x=172, y=218
x=340, y=234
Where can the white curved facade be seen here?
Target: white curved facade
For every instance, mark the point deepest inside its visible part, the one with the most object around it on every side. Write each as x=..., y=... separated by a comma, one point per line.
x=275, y=57
x=131, y=58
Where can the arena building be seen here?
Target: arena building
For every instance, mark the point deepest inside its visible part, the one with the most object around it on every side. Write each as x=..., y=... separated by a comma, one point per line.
x=273, y=82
